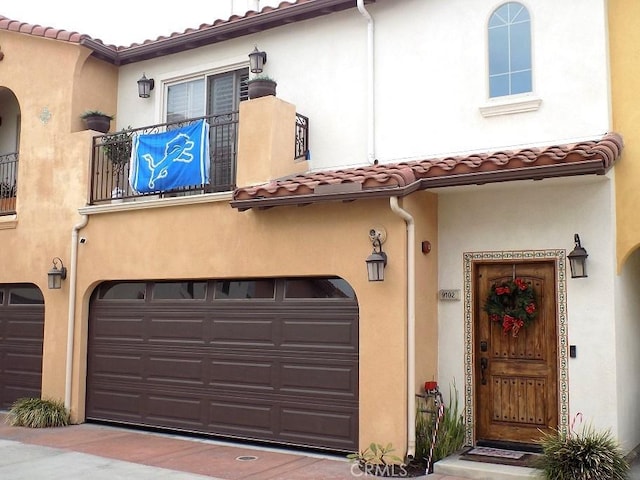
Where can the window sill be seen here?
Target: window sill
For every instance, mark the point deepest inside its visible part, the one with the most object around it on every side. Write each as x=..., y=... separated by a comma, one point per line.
x=510, y=105
x=8, y=222
x=149, y=202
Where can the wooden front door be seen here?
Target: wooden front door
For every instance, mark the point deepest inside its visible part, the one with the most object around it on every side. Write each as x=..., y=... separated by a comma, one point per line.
x=516, y=378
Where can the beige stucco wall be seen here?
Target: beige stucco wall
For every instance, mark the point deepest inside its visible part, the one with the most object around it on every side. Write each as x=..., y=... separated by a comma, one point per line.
x=54, y=82
x=212, y=240
x=625, y=68
x=45, y=76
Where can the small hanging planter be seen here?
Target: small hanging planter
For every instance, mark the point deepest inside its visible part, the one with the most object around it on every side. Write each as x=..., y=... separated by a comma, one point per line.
x=261, y=87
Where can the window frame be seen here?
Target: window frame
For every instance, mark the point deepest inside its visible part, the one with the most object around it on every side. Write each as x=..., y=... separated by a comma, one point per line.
x=513, y=102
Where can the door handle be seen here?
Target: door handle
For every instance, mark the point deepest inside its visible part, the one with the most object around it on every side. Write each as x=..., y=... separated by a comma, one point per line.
x=484, y=364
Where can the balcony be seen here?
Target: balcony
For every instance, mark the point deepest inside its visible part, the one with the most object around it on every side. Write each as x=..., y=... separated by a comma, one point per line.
x=112, y=153
x=8, y=183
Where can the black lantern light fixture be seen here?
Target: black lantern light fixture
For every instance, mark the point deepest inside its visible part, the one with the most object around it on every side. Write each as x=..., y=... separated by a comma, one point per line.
x=578, y=259
x=56, y=275
x=257, y=59
x=377, y=260
x=145, y=85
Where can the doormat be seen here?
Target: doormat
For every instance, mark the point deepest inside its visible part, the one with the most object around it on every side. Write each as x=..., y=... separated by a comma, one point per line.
x=500, y=456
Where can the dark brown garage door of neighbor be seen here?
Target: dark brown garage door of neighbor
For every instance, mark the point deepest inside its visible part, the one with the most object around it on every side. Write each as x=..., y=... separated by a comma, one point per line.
x=21, y=335
x=273, y=360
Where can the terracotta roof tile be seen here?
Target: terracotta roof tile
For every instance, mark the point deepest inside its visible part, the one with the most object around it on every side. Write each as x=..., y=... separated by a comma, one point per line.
x=206, y=34
x=584, y=158
x=40, y=31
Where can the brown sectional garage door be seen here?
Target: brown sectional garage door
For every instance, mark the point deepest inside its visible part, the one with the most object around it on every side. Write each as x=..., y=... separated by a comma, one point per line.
x=271, y=360
x=21, y=335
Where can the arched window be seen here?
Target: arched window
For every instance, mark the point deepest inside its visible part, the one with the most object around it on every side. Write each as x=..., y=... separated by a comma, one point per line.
x=509, y=50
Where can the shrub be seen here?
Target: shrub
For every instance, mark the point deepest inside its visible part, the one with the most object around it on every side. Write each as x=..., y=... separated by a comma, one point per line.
x=37, y=413
x=589, y=455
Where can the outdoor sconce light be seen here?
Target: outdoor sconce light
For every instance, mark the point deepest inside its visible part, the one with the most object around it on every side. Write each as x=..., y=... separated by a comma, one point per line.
x=578, y=259
x=56, y=275
x=145, y=85
x=257, y=59
x=377, y=260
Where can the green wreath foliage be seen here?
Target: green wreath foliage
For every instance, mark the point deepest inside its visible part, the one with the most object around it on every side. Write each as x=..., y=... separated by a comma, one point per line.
x=513, y=303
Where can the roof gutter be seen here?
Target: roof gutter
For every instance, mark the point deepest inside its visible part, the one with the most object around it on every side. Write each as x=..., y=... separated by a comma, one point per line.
x=371, y=102
x=219, y=31
x=411, y=326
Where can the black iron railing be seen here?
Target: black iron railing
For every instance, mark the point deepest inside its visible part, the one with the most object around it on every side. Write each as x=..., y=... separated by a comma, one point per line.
x=8, y=183
x=112, y=154
x=302, y=137
x=112, y=157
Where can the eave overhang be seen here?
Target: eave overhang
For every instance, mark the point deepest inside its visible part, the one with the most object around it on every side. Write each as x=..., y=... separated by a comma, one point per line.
x=221, y=30
x=594, y=157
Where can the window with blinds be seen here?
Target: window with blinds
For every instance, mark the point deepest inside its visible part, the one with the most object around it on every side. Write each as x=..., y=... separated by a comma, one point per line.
x=216, y=97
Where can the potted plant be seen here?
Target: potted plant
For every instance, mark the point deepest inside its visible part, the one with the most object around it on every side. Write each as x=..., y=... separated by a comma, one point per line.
x=7, y=196
x=97, y=120
x=261, y=86
x=117, y=148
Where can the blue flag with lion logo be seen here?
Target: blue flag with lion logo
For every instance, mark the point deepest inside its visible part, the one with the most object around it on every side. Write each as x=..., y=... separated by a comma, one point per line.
x=170, y=160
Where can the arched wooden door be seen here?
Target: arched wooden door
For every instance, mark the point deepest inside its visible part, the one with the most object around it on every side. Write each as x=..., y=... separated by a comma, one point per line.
x=516, y=377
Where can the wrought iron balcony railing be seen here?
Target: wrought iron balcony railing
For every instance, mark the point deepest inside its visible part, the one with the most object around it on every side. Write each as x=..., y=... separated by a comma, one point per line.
x=8, y=183
x=112, y=155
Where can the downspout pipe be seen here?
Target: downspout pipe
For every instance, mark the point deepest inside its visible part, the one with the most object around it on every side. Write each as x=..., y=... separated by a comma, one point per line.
x=73, y=270
x=371, y=102
x=411, y=325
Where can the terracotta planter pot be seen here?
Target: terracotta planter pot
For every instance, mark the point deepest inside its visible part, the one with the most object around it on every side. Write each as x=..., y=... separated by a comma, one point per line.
x=99, y=123
x=262, y=88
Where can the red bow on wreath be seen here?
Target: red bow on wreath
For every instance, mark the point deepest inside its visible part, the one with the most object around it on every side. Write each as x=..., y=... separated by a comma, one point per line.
x=513, y=303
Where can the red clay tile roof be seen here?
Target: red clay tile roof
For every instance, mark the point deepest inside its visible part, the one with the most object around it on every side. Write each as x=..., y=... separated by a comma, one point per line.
x=206, y=34
x=584, y=158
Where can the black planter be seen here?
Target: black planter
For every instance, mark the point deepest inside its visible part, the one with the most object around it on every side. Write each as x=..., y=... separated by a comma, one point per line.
x=99, y=123
x=262, y=88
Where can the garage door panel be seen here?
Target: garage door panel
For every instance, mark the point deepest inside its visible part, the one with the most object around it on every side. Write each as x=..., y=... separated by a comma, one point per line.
x=172, y=330
x=173, y=410
x=176, y=370
x=319, y=380
x=23, y=363
x=325, y=334
x=114, y=329
x=322, y=425
x=21, y=339
x=276, y=369
x=245, y=374
x=116, y=366
x=234, y=415
x=250, y=332
x=23, y=329
x=118, y=405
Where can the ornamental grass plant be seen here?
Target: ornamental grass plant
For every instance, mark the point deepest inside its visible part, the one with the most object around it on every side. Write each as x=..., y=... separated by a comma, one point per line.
x=588, y=455
x=450, y=433
x=38, y=413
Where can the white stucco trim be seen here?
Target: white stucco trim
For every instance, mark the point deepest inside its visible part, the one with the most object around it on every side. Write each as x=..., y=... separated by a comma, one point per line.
x=559, y=256
x=141, y=203
x=513, y=105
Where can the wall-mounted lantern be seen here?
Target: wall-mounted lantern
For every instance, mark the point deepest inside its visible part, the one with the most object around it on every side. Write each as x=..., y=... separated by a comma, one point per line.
x=257, y=59
x=56, y=275
x=578, y=259
x=145, y=85
x=377, y=260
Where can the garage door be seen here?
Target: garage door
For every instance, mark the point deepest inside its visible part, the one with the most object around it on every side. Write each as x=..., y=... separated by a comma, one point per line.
x=21, y=335
x=271, y=360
